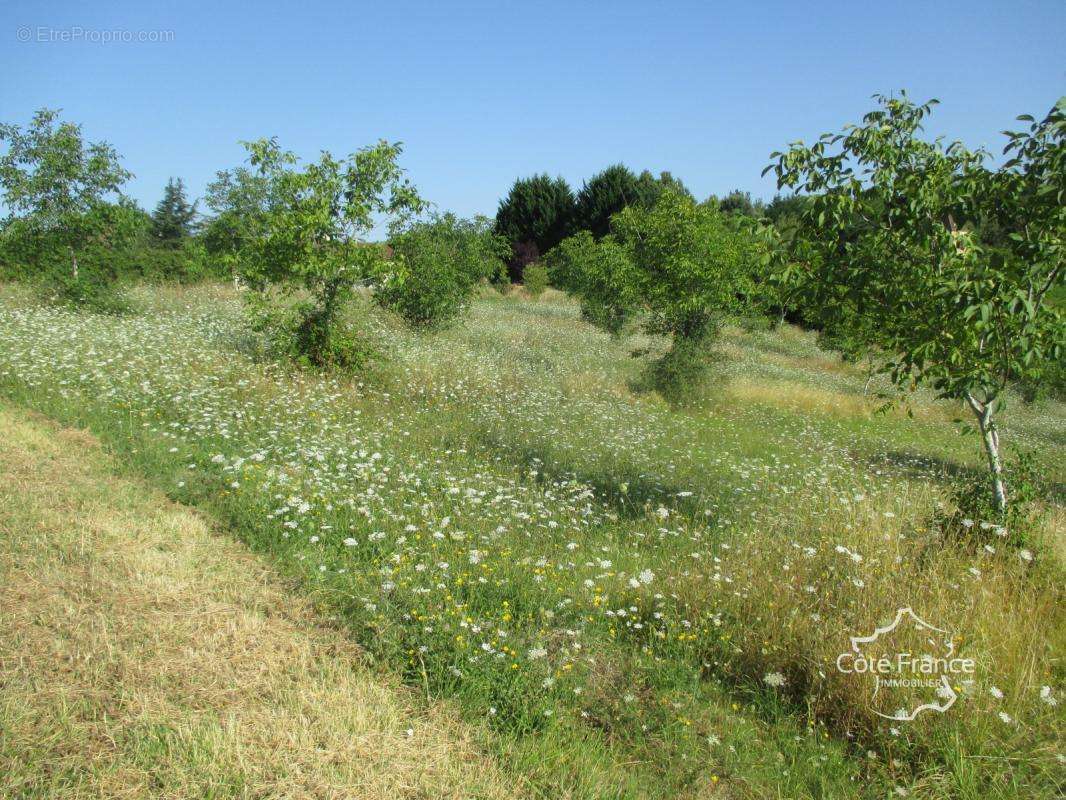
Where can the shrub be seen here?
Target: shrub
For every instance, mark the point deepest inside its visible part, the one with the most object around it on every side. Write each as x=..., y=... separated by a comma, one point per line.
x=681, y=369
x=601, y=274
x=535, y=279
x=89, y=291
x=976, y=519
x=300, y=333
x=435, y=266
x=522, y=254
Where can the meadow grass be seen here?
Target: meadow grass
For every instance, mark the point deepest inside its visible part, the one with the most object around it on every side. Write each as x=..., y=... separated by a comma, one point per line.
x=637, y=599
x=145, y=656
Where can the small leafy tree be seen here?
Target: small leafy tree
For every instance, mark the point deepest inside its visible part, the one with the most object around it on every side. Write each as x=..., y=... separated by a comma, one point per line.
x=237, y=198
x=651, y=187
x=300, y=238
x=535, y=279
x=601, y=274
x=684, y=266
x=435, y=266
x=173, y=218
x=695, y=264
x=57, y=186
x=538, y=211
x=919, y=251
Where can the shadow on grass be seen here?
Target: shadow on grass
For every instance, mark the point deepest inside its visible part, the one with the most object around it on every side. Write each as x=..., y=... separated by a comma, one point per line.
x=946, y=472
x=622, y=487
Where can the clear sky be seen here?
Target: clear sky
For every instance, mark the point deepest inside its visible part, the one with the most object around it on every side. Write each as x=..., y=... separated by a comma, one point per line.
x=483, y=92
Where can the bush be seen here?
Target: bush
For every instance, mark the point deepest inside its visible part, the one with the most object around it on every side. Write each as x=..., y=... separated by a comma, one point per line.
x=522, y=254
x=435, y=266
x=89, y=291
x=681, y=369
x=298, y=332
x=601, y=274
x=120, y=248
x=535, y=279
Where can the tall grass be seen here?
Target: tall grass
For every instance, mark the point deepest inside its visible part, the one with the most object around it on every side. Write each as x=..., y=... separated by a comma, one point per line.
x=638, y=600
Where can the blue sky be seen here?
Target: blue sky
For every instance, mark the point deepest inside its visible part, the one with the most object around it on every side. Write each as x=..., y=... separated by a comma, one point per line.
x=483, y=92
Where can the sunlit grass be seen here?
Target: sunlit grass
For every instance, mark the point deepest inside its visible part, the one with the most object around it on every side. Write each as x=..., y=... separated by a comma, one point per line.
x=510, y=519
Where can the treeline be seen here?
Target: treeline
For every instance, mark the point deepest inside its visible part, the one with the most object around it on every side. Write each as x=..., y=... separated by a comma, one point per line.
x=70, y=223
x=540, y=211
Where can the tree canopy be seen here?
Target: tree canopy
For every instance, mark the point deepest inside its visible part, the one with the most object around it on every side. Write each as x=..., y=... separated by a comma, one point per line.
x=919, y=251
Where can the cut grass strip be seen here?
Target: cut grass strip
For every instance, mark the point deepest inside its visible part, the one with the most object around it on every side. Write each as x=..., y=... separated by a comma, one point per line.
x=144, y=656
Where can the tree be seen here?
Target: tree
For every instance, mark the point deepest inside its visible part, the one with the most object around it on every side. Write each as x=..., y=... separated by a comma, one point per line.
x=683, y=266
x=786, y=206
x=302, y=235
x=740, y=202
x=651, y=187
x=56, y=184
x=607, y=193
x=919, y=251
x=537, y=211
x=694, y=264
x=435, y=266
x=237, y=197
x=173, y=218
x=601, y=274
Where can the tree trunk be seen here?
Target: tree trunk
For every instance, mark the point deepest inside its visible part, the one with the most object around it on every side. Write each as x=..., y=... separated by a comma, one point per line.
x=990, y=437
x=73, y=262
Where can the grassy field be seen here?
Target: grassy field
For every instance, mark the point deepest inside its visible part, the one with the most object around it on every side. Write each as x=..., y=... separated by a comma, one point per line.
x=636, y=600
x=144, y=656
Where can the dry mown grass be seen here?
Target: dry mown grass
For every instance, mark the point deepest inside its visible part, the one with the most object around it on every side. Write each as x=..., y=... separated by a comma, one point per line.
x=145, y=657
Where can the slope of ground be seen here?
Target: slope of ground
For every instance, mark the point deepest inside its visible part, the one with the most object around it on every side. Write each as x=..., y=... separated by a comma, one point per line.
x=144, y=656
x=638, y=600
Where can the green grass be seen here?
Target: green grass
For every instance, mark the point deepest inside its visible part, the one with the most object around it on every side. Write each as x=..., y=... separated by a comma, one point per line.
x=145, y=657
x=602, y=579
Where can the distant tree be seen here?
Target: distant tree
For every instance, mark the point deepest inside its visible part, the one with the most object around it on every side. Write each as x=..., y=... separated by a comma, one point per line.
x=786, y=205
x=607, y=193
x=538, y=211
x=740, y=202
x=522, y=255
x=920, y=252
x=56, y=184
x=173, y=218
x=651, y=187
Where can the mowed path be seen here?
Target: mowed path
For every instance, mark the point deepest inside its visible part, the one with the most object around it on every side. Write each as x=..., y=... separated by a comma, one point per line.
x=143, y=655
